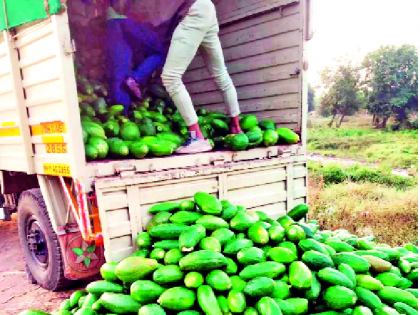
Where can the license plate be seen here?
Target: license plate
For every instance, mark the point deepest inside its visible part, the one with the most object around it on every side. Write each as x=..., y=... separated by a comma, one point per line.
x=53, y=127
x=56, y=148
x=57, y=169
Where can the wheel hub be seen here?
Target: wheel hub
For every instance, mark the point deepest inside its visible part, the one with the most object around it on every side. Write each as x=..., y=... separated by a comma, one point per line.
x=36, y=242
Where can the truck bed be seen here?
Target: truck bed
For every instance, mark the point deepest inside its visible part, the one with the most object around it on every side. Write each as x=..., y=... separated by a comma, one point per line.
x=40, y=131
x=219, y=157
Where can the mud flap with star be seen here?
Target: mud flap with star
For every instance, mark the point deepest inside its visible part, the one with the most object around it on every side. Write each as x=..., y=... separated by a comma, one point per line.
x=81, y=259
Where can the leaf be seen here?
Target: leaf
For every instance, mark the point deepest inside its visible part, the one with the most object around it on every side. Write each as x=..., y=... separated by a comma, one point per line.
x=77, y=251
x=87, y=262
x=92, y=256
x=80, y=259
x=91, y=248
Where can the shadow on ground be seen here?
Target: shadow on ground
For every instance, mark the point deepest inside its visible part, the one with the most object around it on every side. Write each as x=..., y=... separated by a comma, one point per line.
x=16, y=293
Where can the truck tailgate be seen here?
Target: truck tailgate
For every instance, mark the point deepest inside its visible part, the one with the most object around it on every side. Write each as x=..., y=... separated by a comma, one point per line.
x=274, y=186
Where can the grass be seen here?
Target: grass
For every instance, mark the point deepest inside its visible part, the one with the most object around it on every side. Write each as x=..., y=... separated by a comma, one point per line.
x=357, y=140
x=361, y=199
x=337, y=173
x=366, y=209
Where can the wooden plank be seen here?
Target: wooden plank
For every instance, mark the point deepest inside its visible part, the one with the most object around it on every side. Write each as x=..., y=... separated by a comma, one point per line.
x=275, y=58
x=115, y=200
x=260, y=31
x=119, y=229
x=255, y=178
x=118, y=254
x=281, y=87
x=262, y=46
x=249, y=8
x=303, y=47
x=224, y=8
x=119, y=249
x=289, y=187
x=280, y=116
x=300, y=171
x=282, y=72
x=258, y=47
x=261, y=104
x=223, y=186
x=118, y=215
x=133, y=195
x=300, y=192
x=259, y=195
x=177, y=191
x=259, y=19
x=177, y=167
x=104, y=223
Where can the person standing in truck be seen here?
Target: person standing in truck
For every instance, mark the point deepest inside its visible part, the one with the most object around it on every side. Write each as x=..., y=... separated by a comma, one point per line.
x=125, y=37
x=184, y=26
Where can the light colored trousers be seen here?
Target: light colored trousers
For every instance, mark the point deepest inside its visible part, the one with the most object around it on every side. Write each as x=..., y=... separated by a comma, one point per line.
x=199, y=29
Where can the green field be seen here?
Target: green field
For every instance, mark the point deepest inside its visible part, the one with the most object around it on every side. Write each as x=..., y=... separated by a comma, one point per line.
x=362, y=199
x=357, y=140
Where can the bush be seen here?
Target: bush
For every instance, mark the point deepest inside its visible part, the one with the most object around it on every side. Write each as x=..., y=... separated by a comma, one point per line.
x=337, y=173
x=366, y=209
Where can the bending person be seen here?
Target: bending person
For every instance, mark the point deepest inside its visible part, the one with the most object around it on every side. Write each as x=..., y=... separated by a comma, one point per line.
x=124, y=36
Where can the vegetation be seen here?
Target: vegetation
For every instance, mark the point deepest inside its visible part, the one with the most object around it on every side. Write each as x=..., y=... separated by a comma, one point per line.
x=386, y=83
x=343, y=96
x=366, y=209
x=336, y=173
x=392, y=83
x=362, y=199
x=396, y=149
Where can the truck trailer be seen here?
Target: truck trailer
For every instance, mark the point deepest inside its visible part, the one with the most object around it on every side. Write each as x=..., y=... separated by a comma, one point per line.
x=73, y=215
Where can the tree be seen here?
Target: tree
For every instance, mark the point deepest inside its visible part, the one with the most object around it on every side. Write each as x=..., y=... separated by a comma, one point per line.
x=343, y=95
x=311, y=95
x=391, y=83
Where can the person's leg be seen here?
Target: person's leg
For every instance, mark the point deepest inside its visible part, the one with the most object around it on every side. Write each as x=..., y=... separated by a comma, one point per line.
x=148, y=66
x=184, y=45
x=139, y=76
x=118, y=62
x=142, y=38
x=212, y=52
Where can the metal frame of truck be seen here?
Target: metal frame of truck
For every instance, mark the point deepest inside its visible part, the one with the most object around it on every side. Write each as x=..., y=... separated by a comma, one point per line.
x=107, y=202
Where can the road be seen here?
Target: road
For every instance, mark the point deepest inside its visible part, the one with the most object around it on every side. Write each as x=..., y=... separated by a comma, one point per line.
x=16, y=293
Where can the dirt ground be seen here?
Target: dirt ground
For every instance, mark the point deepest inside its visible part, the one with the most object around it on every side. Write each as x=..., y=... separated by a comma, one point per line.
x=16, y=293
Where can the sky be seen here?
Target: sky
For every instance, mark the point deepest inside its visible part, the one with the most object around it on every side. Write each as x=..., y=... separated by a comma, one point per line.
x=357, y=27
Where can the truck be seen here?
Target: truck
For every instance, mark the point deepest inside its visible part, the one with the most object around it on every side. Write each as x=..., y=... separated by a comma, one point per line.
x=73, y=215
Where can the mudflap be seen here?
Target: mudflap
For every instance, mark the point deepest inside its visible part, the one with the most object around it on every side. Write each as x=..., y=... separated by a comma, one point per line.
x=82, y=259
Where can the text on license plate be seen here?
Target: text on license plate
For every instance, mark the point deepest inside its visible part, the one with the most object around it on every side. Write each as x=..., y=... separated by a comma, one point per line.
x=57, y=169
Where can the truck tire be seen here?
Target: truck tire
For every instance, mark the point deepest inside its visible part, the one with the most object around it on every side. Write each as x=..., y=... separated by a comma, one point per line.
x=41, y=248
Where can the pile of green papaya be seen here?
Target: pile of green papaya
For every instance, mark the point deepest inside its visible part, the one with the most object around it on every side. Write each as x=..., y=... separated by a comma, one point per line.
x=155, y=128
x=206, y=256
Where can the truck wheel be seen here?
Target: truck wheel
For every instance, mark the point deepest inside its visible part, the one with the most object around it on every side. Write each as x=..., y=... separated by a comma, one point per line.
x=41, y=248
